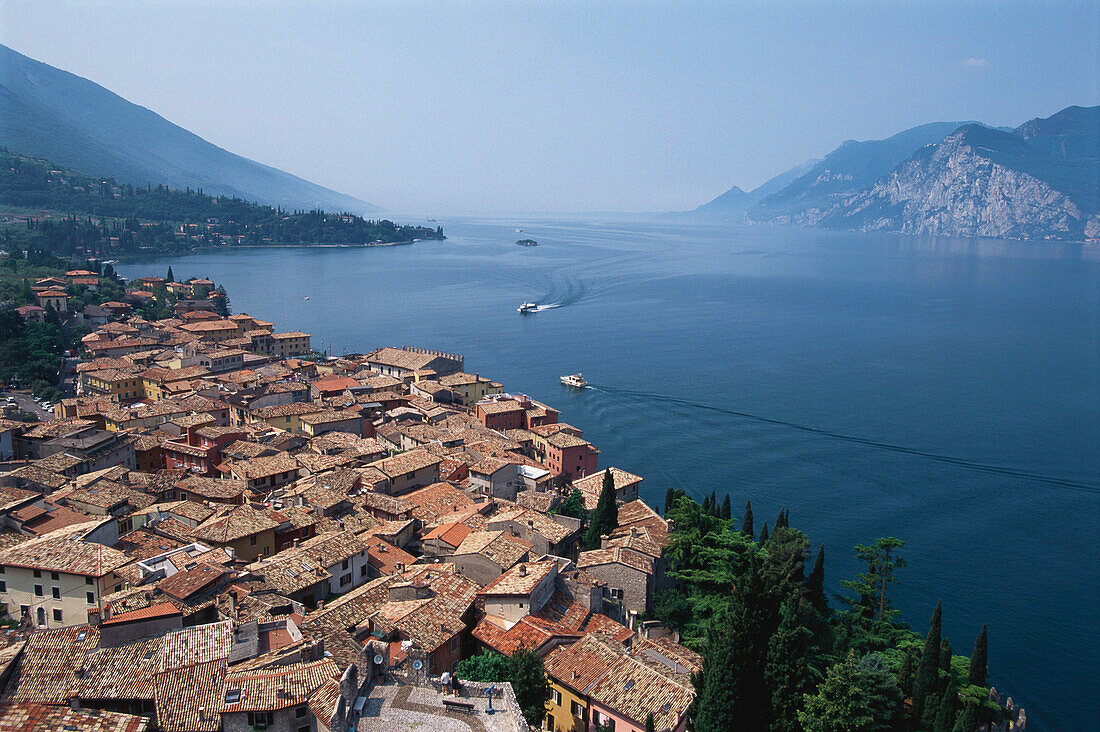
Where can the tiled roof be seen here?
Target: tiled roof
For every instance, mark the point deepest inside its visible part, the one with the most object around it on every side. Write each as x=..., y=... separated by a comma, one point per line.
x=406, y=462
x=499, y=547
x=182, y=692
x=384, y=556
x=521, y=579
x=544, y=525
x=161, y=609
x=37, y=717
x=47, y=671
x=450, y=534
x=65, y=551
x=634, y=689
x=261, y=467
x=237, y=523
x=183, y=585
x=592, y=485
x=616, y=555
x=277, y=688
x=437, y=499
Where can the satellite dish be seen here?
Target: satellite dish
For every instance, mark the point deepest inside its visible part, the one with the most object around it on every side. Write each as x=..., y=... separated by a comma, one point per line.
x=378, y=659
x=417, y=665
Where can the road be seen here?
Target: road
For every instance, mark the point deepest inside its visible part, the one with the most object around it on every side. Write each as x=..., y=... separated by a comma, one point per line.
x=27, y=404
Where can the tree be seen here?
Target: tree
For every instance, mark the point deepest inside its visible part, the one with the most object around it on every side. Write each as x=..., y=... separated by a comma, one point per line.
x=881, y=560
x=968, y=720
x=711, y=710
x=727, y=509
x=649, y=725
x=605, y=517
x=945, y=663
x=487, y=667
x=840, y=704
x=670, y=498
x=170, y=277
x=763, y=534
x=781, y=520
x=221, y=301
x=529, y=683
x=884, y=698
x=924, y=682
x=787, y=672
x=815, y=583
x=573, y=505
x=945, y=713
x=978, y=659
x=746, y=522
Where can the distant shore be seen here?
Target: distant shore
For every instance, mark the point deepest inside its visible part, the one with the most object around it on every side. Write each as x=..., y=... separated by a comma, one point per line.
x=195, y=250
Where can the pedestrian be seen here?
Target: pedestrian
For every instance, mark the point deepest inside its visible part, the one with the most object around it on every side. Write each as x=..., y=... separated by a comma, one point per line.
x=456, y=686
x=445, y=682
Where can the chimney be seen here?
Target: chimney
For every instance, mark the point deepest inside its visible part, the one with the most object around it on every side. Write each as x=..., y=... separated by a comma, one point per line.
x=74, y=703
x=400, y=566
x=523, y=570
x=633, y=531
x=202, y=713
x=605, y=540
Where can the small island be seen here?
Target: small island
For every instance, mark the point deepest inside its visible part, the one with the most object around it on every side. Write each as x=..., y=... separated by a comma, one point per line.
x=527, y=243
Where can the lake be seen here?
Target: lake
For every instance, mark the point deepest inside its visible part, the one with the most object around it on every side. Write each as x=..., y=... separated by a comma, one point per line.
x=943, y=391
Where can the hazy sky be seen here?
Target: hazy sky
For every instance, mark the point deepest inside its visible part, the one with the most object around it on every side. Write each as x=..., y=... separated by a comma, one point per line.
x=475, y=107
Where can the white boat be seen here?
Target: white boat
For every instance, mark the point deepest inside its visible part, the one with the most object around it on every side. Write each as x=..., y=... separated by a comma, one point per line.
x=528, y=307
x=576, y=380
x=307, y=297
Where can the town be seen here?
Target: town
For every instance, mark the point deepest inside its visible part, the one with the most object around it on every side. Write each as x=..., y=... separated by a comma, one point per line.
x=222, y=529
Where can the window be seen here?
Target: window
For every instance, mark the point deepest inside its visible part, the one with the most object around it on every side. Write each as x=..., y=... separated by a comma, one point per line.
x=56, y=592
x=555, y=696
x=252, y=540
x=345, y=579
x=37, y=573
x=258, y=718
x=454, y=644
x=576, y=709
x=57, y=615
x=38, y=591
x=345, y=565
x=363, y=571
x=55, y=576
x=89, y=581
x=91, y=598
x=3, y=586
x=300, y=712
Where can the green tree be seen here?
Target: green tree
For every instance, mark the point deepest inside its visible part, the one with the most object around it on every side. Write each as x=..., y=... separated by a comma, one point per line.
x=978, y=659
x=945, y=663
x=727, y=509
x=487, y=667
x=787, y=672
x=649, y=725
x=881, y=560
x=605, y=517
x=840, y=704
x=746, y=521
x=670, y=498
x=711, y=711
x=170, y=277
x=529, y=683
x=968, y=720
x=945, y=713
x=573, y=505
x=884, y=698
x=763, y=534
x=815, y=583
x=924, y=681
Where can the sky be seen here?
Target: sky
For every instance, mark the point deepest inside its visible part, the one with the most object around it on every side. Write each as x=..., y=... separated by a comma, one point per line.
x=482, y=107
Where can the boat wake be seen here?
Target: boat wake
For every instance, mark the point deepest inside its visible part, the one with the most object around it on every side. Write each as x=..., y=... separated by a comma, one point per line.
x=643, y=396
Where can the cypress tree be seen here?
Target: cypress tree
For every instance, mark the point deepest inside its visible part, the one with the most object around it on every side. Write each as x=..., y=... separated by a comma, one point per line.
x=169, y=277
x=945, y=714
x=706, y=505
x=945, y=663
x=713, y=503
x=727, y=509
x=781, y=520
x=978, y=659
x=787, y=672
x=968, y=720
x=746, y=522
x=649, y=725
x=716, y=684
x=670, y=498
x=905, y=673
x=605, y=517
x=763, y=534
x=815, y=583
x=924, y=682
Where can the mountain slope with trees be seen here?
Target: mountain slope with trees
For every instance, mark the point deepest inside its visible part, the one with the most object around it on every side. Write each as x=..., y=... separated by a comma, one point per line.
x=76, y=123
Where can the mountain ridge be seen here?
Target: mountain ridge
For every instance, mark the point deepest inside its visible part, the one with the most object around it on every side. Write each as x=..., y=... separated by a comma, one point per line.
x=60, y=116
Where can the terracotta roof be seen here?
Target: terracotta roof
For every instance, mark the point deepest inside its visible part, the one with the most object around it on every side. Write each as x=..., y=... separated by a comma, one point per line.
x=616, y=555
x=237, y=523
x=159, y=610
x=499, y=547
x=384, y=556
x=450, y=534
x=278, y=688
x=437, y=499
x=406, y=462
x=521, y=579
x=181, y=692
x=183, y=585
x=592, y=485
x=65, y=550
x=37, y=717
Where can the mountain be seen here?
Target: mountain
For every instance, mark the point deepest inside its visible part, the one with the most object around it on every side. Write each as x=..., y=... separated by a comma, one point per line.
x=845, y=171
x=735, y=202
x=1040, y=180
x=76, y=123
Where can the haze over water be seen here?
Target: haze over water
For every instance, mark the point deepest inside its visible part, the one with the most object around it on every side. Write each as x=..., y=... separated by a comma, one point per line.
x=943, y=391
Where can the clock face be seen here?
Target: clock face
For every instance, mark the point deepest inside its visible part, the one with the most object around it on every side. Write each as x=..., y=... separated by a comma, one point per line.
x=378, y=660
x=418, y=665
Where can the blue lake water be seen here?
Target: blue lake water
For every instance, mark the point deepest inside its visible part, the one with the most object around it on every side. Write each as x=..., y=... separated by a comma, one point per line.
x=943, y=391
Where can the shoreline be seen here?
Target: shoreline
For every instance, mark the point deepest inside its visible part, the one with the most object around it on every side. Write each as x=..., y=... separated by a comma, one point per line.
x=195, y=250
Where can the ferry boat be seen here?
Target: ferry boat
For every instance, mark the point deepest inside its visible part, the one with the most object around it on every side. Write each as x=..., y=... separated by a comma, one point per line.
x=576, y=380
x=528, y=307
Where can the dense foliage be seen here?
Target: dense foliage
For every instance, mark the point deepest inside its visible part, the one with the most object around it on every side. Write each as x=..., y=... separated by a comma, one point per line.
x=523, y=669
x=98, y=217
x=778, y=657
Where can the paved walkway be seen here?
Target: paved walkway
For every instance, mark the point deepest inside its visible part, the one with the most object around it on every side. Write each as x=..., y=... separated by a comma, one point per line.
x=393, y=708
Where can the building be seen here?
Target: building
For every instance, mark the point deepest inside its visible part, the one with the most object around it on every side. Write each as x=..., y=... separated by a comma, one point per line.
x=626, y=486
x=407, y=363
x=57, y=299
x=408, y=471
x=57, y=578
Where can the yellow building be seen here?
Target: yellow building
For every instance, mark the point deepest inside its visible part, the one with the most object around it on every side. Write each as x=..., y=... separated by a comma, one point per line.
x=123, y=384
x=285, y=416
x=566, y=709
x=470, y=389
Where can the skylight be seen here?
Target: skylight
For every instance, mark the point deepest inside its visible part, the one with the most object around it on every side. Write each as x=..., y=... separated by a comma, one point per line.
x=232, y=696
